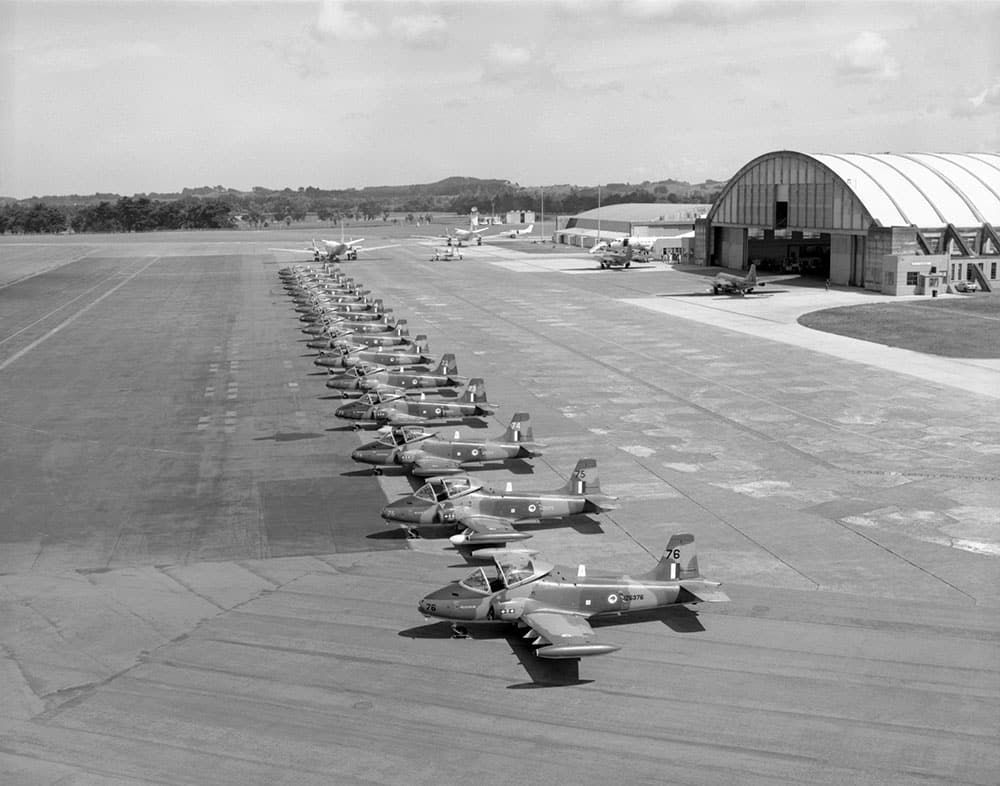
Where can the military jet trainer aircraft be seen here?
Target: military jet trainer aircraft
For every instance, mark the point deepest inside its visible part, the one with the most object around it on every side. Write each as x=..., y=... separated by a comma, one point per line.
x=486, y=516
x=370, y=376
x=338, y=330
x=730, y=282
x=379, y=314
x=425, y=454
x=556, y=602
x=383, y=356
x=395, y=408
x=398, y=337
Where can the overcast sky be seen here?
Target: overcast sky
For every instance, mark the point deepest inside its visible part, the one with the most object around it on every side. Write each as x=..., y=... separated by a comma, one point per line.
x=135, y=96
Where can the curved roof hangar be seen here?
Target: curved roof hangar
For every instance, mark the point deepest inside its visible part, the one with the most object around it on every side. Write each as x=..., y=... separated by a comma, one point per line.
x=926, y=190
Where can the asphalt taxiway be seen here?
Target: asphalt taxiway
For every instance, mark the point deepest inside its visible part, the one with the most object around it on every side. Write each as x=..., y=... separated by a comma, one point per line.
x=195, y=585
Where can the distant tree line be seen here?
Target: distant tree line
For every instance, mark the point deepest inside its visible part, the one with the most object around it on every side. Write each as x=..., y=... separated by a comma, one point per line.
x=217, y=207
x=128, y=214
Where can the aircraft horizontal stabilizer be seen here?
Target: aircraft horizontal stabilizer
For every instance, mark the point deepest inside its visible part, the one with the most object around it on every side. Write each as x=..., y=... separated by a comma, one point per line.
x=603, y=501
x=705, y=591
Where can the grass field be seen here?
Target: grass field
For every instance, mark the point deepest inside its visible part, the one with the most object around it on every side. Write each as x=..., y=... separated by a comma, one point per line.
x=955, y=327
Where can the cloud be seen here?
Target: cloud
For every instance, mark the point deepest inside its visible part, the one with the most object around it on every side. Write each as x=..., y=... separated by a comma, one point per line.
x=338, y=22
x=866, y=57
x=699, y=13
x=60, y=60
x=984, y=102
x=508, y=63
x=507, y=57
x=423, y=30
x=299, y=55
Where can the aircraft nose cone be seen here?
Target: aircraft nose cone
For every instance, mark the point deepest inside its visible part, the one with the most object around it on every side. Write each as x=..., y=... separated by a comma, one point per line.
x=400, y=511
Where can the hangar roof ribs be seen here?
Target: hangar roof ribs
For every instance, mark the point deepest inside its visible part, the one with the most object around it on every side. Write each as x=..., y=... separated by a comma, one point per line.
x=927, y=190
x=923, y=189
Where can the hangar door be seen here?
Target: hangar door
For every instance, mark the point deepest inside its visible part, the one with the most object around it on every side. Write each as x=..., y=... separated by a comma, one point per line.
x=729, y=247
x=781, y=251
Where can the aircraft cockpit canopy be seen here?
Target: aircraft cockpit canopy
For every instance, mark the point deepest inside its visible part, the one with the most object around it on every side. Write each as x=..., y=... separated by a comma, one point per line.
x=441, y=489
x=378, y=397
x=477, y=581
x=401, y=435
x=516, y=568
x=368, y=368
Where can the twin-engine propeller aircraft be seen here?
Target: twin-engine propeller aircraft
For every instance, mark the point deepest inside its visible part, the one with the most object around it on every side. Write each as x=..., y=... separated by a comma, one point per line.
x=425, y=454
x=512, y=234
x=381, y=407
x=486, y=517
x=730, y=282
x=556, y=602
x=333, y=250
x=457, y=236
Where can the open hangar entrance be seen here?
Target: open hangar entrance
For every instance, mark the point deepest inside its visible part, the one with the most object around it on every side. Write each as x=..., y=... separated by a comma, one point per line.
x=858, y=219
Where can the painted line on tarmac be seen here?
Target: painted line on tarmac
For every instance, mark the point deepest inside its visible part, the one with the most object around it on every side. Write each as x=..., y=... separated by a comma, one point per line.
x=59, y=308
x=26, y=276
x=81, y=312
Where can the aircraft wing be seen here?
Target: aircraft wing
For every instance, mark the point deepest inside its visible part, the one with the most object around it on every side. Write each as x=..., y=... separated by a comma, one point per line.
x=306, y=250
x=432, y=465
x=563, y=635
x=366, y=249
x=705, y=591
x=486, y=531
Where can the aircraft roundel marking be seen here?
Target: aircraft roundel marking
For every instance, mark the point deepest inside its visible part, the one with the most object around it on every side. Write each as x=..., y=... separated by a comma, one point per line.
x=475, y=451
x=532, y=508
x=612, y=598
x=437, y=410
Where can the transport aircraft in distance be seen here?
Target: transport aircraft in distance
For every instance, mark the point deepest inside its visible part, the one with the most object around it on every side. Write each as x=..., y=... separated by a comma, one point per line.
x=512, y=234
x=725, y=283
x=333, y=250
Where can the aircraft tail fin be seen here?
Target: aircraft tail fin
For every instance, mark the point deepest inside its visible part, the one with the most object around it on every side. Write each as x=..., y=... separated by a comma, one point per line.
x=584, y=481
x=529, y=229
x=679, y=561
x=752, y=274
x=420, y=344
x=401, y=329
x=519, y=429
x=475, y=392
x=448, y=365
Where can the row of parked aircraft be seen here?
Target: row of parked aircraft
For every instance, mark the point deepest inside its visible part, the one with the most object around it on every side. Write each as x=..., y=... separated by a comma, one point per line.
x=402, y=389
